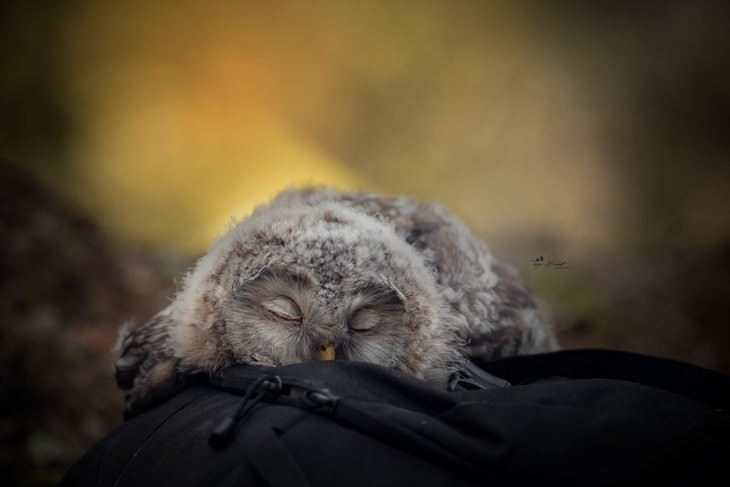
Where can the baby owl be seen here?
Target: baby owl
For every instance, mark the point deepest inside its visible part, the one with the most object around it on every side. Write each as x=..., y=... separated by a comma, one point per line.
x=319, y=274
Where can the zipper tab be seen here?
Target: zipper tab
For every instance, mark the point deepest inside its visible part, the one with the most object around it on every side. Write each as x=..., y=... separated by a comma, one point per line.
x=266, y=387
x=320, y=401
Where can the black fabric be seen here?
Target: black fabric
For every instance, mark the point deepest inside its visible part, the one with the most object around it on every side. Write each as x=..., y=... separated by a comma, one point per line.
x=569, y=418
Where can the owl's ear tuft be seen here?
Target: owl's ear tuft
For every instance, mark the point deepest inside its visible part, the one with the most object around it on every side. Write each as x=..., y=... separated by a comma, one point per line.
x=147, y=368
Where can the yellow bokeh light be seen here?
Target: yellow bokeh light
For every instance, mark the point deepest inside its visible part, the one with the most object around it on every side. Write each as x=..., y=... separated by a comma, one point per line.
x=188, y=115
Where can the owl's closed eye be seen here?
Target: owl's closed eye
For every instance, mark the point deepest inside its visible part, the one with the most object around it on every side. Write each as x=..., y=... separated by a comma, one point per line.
x=283, y=308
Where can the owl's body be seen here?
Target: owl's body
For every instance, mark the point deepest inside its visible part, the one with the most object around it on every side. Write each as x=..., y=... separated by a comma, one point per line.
x=319, y=274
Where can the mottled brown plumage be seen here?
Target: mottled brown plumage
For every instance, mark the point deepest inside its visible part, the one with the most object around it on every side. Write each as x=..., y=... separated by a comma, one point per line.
x=319, y=273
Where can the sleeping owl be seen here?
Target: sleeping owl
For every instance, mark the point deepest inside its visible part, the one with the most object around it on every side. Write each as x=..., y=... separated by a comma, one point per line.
x=318, y=275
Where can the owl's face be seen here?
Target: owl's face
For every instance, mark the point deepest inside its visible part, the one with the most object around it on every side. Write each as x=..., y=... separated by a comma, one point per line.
x=312, y=283
x=288, y=315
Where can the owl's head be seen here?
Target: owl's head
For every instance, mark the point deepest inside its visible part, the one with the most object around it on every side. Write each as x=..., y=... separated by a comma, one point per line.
x=296, y=283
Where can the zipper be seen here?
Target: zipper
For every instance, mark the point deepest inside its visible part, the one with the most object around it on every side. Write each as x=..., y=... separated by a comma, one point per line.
x=268, y=388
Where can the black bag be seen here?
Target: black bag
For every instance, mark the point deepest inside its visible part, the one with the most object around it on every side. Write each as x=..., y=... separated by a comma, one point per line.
x=564, y=418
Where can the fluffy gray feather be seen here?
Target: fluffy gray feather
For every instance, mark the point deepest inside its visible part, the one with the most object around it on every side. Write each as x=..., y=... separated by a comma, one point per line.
x=318, y=274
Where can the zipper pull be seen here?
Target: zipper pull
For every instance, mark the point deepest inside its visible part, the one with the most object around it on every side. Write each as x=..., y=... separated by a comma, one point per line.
x=469, y=377
x=319, y=400
x=266, y=385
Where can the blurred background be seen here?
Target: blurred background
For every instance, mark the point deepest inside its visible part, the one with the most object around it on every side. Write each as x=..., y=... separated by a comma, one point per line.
x=596, y=134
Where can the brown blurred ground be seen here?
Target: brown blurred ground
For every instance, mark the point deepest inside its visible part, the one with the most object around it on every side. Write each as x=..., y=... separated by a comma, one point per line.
x=598, y=134
x=65, y=289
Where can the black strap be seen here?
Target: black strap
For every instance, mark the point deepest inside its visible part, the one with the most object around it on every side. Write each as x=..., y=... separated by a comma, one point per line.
x=697, y=383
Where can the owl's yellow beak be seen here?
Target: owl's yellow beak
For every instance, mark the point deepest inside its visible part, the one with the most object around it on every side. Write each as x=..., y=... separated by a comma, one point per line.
x=326, y=352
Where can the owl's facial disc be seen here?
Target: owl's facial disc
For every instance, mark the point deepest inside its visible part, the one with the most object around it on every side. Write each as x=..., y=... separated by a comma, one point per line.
x=333, y=292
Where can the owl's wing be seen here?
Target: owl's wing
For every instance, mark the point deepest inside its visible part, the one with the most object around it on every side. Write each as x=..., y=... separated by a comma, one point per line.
x=519, y=325
x=147, y=368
